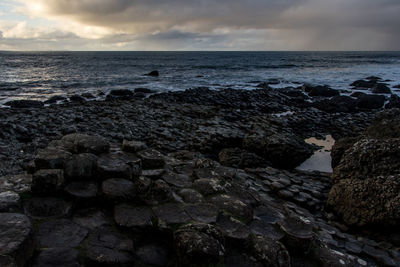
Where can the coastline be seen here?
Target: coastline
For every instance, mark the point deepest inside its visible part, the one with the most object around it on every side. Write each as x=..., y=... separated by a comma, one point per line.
x=198, y=132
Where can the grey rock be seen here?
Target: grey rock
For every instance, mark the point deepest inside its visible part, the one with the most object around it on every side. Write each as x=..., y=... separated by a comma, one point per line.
x=17, y=183
x=270, y=252
x=208, y=186
x=133, y=217
x=113, y=166
x=170, y=215
x=151, y=159
x=178, y=180
x=82, y=189
x=51, y=158
x=81, y=166
x=50, y=257
x=202, y=212
x=191, y=196
x=9, y=201
x=48, y=181
x=47, y=208
x=82, y=143
x=233, y=206
x=91, y=219
x=119, y=189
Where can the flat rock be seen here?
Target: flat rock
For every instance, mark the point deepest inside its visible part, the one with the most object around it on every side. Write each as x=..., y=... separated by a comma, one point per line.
x=151, y=159
x=47, y=180
x=136, y=217
x=47, y=208
x=82, y=189
x=153, y=174
x=9, y=201
x=119, y=189
x=25, y=104
x=60, y=233
x=106, y=247
x=50, y=257
x=16, y=239
x=232, y=228
x=261, y=228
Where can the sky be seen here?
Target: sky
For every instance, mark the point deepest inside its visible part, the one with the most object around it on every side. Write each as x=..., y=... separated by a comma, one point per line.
x=269, y=25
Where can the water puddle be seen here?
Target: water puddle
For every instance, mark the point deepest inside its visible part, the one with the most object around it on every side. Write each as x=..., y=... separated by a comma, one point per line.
x=321, y=160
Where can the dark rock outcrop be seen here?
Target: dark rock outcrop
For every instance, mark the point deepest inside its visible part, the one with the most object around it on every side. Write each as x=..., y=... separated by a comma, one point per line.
x=153, y=73
x=25, y=104
x=381, y=88
x=319, y=90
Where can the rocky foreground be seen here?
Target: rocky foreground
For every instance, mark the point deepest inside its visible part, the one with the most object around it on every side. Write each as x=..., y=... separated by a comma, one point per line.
x=200, y=178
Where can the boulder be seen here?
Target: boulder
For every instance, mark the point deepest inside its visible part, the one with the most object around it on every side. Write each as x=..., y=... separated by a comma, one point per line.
x=153, y=73
x=112, y=166
x=323, y=91
x=16, y=239
x=381, y=88
x=340, y=147
x=51, y=158
x=77, y=99
x=208, y=186
x=199, y=244
x=385, y=125
x=47, y=181
x=20, y=183
x=370, y=101
x=24, y=104
x=191, y=196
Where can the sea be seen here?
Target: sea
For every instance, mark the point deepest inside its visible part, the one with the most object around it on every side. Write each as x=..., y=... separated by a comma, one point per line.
x=40, y=75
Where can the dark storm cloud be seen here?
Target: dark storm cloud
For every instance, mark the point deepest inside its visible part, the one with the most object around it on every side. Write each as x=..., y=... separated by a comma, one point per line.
x=286, y=24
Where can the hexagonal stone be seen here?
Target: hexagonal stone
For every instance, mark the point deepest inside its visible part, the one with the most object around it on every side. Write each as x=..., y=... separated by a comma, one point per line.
x=191, y=196
x=151, y=159
x=178, y=180
x=16, y=239
x=60, y=233
x=9, y=201
x=133, y=146
x=50, y=257
x=298, y=232
x=265, y=229
x=82, y=189
x=270, y=252
x=51, y=158
x=48, y=181
x=233, y=206
x=136, y=217
x=199, y=244
x=80, y=166
x=232, y=228
x=81, y=143
x=171, y=214
x=113, y=166
x=153, y=174
x=119, y=189
x=160, y=192
x=40, y=208
x=202, y=212
x=17, y=183
x=208, y=186
x=91, y=218
x=106, y=247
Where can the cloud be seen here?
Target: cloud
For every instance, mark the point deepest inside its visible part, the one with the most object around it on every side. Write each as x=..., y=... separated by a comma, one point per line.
x=222, y=24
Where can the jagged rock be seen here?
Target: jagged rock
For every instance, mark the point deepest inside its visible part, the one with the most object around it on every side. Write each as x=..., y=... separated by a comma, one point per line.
x=234, y=206
x=60, y=233
x=133, y=146
x=105, y=247
x=178, y=180
x=208, y=186
x=47, y=208
x=153, y=255
x=50, y=257
x=17, y=183
x=191, y=196
x=151, y=159
x=16, y=239
x=24, y=104
x=47, y=181
x=381, y=88
x=82, y=189
x=88, y=95
x=81, y=143
x=113, y=166
x=9, y=201
x=91, y=219
x=199, y=244
x=119, y=189
x=51, y=158
x=80, y=166
x=270, y=253
x=363, y=84
x=133, y=217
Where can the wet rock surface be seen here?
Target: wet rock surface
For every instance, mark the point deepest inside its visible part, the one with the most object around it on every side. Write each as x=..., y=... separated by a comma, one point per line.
x=187, y=178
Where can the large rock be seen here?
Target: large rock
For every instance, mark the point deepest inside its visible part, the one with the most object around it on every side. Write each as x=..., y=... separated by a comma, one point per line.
x=123, y=94
x=52, y=158
x=233, y=206
x=381, y=88
x=200, y=244
x=270, y=253
x=370, y=101
x=48, y=181
x=363, y=84
x=81, y=166
x=151, y=159
x=385, y=125
x=81, y=143
x=394, y=102
x=324, y=91
x=20, y=183
x=113, y=166
x=82, y=190
x=340, y=147
x=16, y=239
x=119, y=189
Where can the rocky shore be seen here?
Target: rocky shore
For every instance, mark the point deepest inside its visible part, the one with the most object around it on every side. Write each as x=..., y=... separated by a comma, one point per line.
x=201, y=178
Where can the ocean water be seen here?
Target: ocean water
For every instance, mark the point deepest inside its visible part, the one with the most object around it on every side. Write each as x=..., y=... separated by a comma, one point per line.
x=40, y=75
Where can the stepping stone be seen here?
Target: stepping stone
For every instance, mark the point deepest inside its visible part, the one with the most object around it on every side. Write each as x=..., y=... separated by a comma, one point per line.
x=51, y=158
x=151, y=159
x=91, y=219
x=81, y=166
x=81, y=143
x=265, y=229
x=153, y=174
x=270, y=252
x=16, y=239
x=113, y=166
x=48, y=181
x=298, y=233
x=119, y=189
x=171, y=214
x=178, y=180
x=136, y=217
x=106, y=247
x=39, y=208
x=234, y=206
x=60, y=233
x=50, y=257
x=82, y=189
x=9, y=201
x=202, y=212
x=232, y=228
